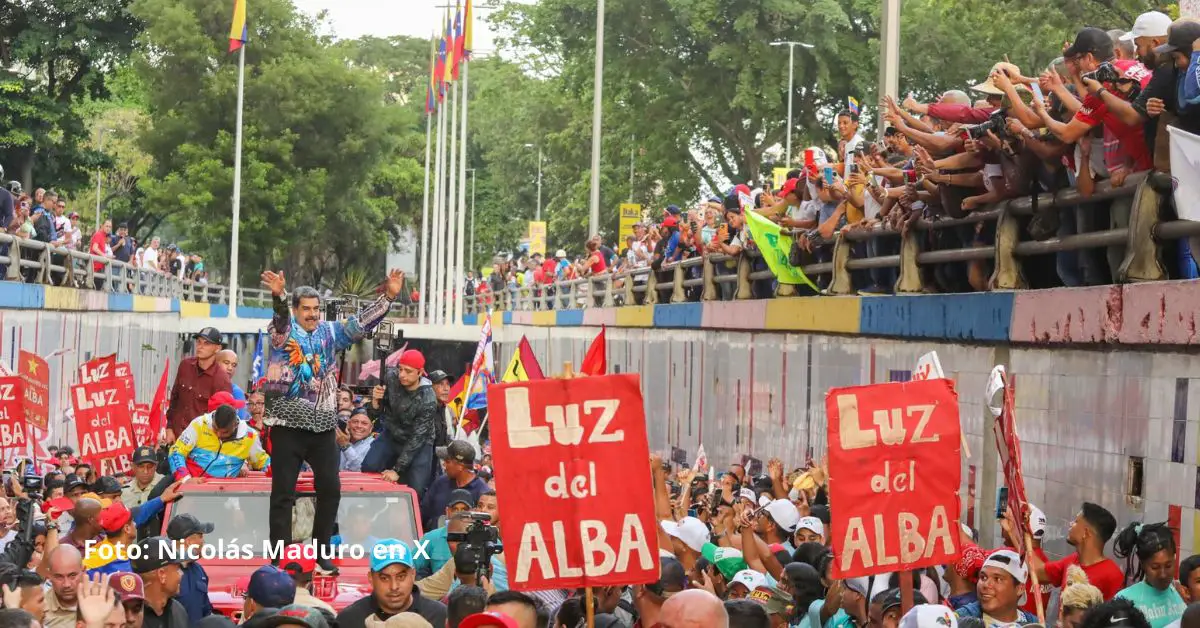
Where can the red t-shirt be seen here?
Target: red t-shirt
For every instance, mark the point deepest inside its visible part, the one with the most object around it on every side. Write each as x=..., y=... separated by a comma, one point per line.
x=1104, y=575
x=548, y=268
x=97, y=247
x=1130, y=139
x=598, y=264
x=1030, y=605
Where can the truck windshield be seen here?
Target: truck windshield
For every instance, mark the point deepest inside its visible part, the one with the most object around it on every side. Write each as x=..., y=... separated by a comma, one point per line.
x=242, y=518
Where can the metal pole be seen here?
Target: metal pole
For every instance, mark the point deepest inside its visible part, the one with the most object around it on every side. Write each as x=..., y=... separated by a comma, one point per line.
x=889, y=56
x=472, y=220
x=791, y=93
x=437, y=232
x=632, y=149
x=99, y=146
x=423, y=292
x=462, y=205
x=538, y=217
x=237, y=188
x=597, y=109
x=448, y=286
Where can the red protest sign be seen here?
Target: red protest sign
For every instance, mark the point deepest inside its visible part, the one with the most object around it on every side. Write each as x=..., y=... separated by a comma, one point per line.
x=574, y=453
x=1008, y=445
x=141, y=423
x=36, y=373
x=103, y=420
x=12, y=415
x=894, y=473
x=98, y=369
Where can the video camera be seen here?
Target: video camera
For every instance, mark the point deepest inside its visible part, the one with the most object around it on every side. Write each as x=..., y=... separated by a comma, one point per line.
x=1105, y=74
x=996, y=123
x=480, y=542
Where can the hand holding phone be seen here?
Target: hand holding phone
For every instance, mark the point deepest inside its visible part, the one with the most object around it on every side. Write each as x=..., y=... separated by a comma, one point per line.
x=828, y=175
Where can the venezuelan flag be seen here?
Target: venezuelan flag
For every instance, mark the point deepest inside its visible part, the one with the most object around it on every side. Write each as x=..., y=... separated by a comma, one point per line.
x=439, y=70
x=465, y=52
x=431, y=88
x=852, y=105
x=448, y=44
x=237, y=30
x=458, y=42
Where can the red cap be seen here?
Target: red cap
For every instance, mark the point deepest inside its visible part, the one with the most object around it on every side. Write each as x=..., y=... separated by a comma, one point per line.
x=488, y=620
x=114, y=517
x=789, y=187
x=1131, y=70
x=298, y=565
x=413, y=359
x=224, y=398
x=128, y=586
x=670, y=221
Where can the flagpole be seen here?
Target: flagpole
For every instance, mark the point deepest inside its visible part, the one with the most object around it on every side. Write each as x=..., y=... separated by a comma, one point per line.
x=237, y=187
x=452, y=214
x=435, y=228
x=462, y=202
x=423, y=293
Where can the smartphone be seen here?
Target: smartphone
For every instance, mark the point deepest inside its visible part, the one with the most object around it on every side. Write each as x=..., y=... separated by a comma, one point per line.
x=1037, y=92
x=851, y=168
x=828, y=175
x=810, y=162
x=1001, y=501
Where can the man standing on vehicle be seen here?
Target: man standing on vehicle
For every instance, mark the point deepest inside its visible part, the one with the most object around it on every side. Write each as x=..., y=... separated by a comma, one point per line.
x=392, y=592
x=301, y=389
x=198, y=378
x=406, y=408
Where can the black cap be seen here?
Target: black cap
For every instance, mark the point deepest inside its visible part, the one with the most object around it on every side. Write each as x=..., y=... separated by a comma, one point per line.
x=156, y=552
x=891, y=598
x=672, y=577
x=438, y=376
x=459, y=450
x=1181, y=35
x=1093, y=40
x=106, y=485
x=144, y=454
x=185, y=525
x=212, y=335
x=72, y=481
x=461, y=496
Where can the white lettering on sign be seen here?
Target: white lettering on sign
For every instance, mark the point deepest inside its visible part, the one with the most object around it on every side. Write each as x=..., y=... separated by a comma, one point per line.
x=890, y=424
x=91, y=376
x=8, y=392
x=12, y=434
x=580, y=486
x=913, y=545
x=902, y=482
x=104, y=440
x=98, y=398
x=599, y=556
x=561, y=422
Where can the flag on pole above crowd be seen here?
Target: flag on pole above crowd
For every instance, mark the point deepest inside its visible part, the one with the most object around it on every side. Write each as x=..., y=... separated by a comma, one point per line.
x=852, y=105
x=464, y=53
x=458, y=42
x=596, y=360
x=431, y=97
x=439, y=67
x=237, y=31
x=448, y=73
x=524, y=366
x=258, y=369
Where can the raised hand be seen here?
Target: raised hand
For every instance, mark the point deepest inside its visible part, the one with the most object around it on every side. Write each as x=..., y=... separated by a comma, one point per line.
x=96, y=599
x=394, y=283
x=274, y=282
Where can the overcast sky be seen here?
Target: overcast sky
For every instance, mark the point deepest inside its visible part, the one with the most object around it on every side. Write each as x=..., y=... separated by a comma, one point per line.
x=418, y=18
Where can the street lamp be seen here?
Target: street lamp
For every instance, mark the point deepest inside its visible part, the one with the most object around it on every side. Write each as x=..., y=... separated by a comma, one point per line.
x=791, y=78
x=538, y=216
x=471, y=262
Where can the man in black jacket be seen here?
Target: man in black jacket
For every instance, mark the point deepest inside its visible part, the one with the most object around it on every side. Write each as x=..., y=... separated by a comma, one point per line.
x=392, y=578
x=405, y=410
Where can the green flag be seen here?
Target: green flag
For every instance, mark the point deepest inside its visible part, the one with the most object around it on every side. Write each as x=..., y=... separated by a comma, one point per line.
x=775, y=245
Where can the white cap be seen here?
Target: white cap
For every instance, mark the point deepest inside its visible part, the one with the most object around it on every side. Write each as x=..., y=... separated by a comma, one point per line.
x=749, y=578
x=811, y=523
x=784, y=513
x=763, y=500
x=929, y=616
x=748, y=495
x=1009, y=561
x=560, y=253
x=690, y=530
x=1151, y=24
x=1037, y=522
x=859, y=585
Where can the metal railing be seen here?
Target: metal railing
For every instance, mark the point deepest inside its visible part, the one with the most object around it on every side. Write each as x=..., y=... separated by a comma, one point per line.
x=707, y=278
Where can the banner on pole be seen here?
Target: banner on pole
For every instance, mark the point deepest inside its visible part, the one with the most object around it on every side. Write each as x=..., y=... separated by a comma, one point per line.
x=13, y=435
x=578, y=453
x=141, y=423
x=103, y=420
x=1008, y=445
x=537, y=237
x=894, y=473
x=36, y=374
x=775, y=247
x=98, y=369
x=631, y=214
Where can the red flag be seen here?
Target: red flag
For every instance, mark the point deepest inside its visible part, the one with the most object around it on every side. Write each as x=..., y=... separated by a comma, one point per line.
x=596, y=360
x=529, y=361
x=158, y=408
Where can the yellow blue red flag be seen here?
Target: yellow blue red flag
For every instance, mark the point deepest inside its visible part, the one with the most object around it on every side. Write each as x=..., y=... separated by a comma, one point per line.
x=237, y=31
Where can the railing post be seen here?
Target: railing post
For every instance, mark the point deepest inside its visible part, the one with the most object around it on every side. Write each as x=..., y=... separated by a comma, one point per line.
x=44, y=260
x=630, y=295
x=677, y=295
x=744, y=289
x=608, y=290
x=14, y=261
x=841, y=282
x=651, y=297
x=908, y=280
x=1141, y=253
x=708, y=290
x=1007, y=275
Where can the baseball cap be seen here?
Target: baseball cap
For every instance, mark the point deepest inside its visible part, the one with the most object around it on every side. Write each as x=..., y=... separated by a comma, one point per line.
x=892, y=599
x=673, y=210
x=296, y=614
x=438, y=376
x=224, y=398
x=749, y=578
x=184, y=525
x=298, y=565
x=1091, y=40
x=210, y=334
x=774, y=601
x=271, y=586
x=106, y=485
x=811, y=523
x=1009, y=561
x=71, y=481
x=461, y=496
x=690, y=530
x=114, y=517
x=729, y=561
x=390, y=552
x=1149, y=24
x=748, y=494
x=128, y=586
x=1180, y=37
x=1131, y=70
x=922, y=615
x=670, y=221
x=672, y=577
x=1037, y=522
x=144, y=454
x=488, y=619
x=789, y=187
x=403, y=620
x=457, y=450
x=560, y=253
x=859, y=585
x=155, y=552
x=784, y=513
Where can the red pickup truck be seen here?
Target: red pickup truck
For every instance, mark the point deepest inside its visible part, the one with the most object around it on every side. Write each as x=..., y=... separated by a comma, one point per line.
x=370, y=509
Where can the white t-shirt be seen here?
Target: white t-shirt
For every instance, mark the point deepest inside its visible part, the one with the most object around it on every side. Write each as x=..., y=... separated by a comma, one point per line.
x=150, y=258
x=806, y=210
x=871, y=207
x=852, y=145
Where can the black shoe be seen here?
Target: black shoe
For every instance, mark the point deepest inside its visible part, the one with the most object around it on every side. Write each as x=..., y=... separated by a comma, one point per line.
x=325, y=568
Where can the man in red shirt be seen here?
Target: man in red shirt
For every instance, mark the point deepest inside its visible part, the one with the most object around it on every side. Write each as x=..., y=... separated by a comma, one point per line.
x=1089, y=532
x=99, y=248
x=198, y=378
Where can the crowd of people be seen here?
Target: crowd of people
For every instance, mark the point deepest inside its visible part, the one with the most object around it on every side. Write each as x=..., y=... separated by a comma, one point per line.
x=44, y=217
x=1097, y=114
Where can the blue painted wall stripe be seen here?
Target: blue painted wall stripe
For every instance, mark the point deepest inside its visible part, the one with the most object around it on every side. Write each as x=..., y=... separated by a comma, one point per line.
x=573, y=318
x=507, y=319
x=470, y=319
x=679, y=315
x=246, y=311
x=124, y=303
x=983, y=316
x=22, y=296
x=218, y=311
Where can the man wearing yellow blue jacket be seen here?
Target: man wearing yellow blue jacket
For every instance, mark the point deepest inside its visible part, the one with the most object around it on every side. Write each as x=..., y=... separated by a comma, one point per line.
x=217, y=445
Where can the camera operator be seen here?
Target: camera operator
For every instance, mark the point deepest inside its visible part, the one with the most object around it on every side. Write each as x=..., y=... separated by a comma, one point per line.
x=472, y=532
x=405, y=408
x=28, y=585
